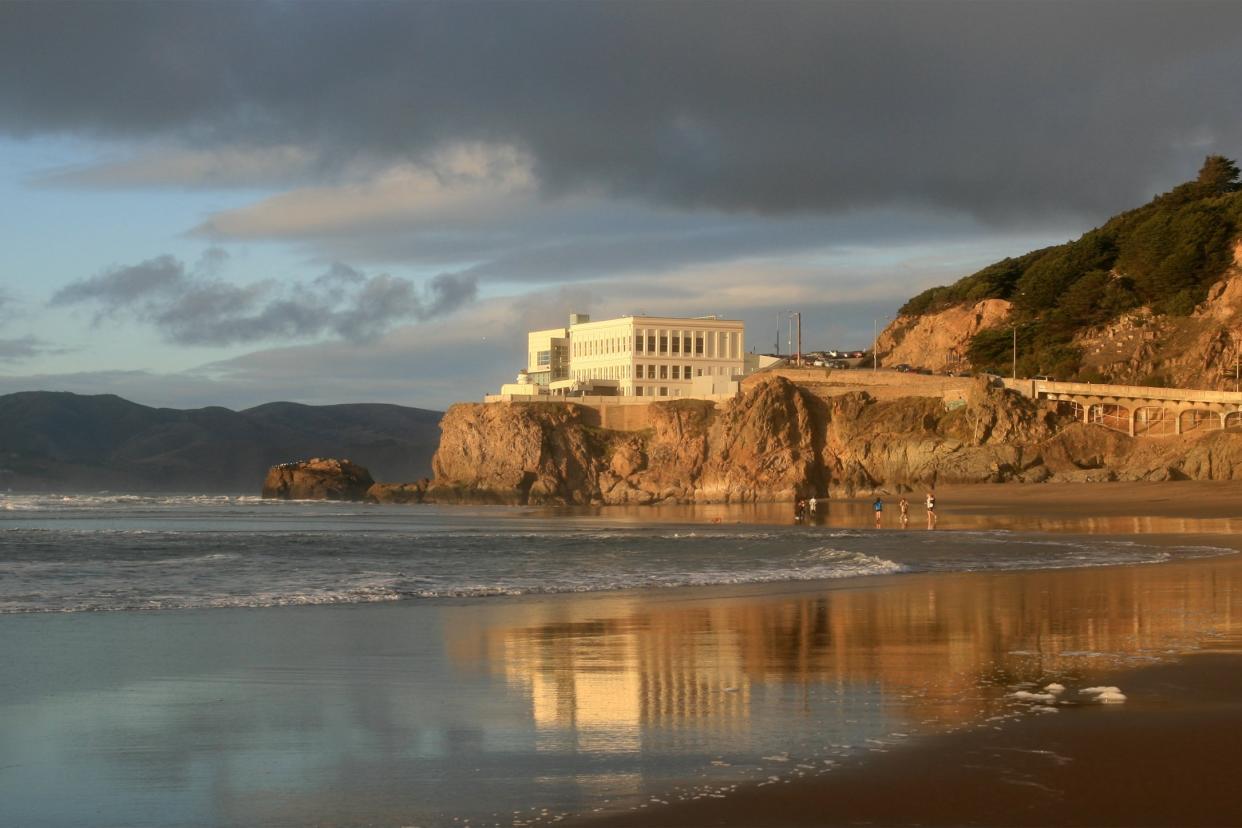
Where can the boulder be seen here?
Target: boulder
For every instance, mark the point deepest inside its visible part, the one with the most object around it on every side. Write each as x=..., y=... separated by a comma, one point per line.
x=398, y=492
x=317, y=479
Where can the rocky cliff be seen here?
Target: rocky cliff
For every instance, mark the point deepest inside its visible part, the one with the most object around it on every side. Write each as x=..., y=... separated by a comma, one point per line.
x=777, y=441
x=318, y=479
x=939, y=340
x=1150, y=297
x=1196, y=351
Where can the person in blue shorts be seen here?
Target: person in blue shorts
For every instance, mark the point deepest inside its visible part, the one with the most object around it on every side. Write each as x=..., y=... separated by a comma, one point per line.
x=879, y=510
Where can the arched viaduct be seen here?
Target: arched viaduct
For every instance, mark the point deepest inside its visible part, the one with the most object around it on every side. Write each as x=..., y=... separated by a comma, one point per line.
x=1139, y=409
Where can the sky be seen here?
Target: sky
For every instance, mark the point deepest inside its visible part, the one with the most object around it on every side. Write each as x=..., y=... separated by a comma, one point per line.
x=230, y=203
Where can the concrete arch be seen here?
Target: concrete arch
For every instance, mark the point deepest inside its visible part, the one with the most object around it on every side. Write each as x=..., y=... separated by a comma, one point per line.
x=1197, y=419
x=1071, y=408
x=1152, y=419
x=1111, y=415
x=1232, y=419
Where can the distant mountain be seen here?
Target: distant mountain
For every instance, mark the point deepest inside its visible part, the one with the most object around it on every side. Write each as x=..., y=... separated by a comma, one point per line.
x=55, y=441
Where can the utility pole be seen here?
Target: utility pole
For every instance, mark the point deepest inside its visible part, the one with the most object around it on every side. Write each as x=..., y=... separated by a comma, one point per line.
x=798, y=314
x=875, y=339
x=1015, y=351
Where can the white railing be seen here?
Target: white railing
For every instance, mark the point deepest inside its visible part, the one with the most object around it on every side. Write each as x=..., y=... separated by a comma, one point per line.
x=1036, y=388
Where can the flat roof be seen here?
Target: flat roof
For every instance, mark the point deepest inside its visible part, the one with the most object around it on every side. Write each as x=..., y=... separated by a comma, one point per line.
x=685, y=321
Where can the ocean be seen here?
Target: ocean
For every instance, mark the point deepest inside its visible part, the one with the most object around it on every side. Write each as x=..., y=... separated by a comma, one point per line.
x=79, y=553
x=186, y=660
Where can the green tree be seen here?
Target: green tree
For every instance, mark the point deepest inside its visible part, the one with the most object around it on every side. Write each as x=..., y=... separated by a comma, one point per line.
x=1217, y=175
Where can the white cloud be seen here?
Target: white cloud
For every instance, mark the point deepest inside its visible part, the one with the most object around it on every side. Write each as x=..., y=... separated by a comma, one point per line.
x=460, y=185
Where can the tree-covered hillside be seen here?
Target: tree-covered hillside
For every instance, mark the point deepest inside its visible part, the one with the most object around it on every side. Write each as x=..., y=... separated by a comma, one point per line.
x=1164, y=255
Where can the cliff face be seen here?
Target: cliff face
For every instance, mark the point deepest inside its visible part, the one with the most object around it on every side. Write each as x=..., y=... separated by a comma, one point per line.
x=1196, y=351
x=938, y=340
x=517, y=453
x=1138, y=347
x=777, y=442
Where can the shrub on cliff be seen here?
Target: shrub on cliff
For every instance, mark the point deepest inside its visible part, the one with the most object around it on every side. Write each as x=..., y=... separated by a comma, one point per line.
x=1165, y=254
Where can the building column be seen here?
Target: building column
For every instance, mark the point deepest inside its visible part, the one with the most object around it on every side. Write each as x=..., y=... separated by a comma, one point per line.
x=1133, y=415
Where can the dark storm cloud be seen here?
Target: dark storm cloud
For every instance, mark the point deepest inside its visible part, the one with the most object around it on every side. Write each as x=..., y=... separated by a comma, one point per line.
x=191, y=306
x=992, y=108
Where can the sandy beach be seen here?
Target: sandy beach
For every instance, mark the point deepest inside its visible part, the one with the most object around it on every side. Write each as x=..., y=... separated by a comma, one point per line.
x=1166, y=756
x=887, y=699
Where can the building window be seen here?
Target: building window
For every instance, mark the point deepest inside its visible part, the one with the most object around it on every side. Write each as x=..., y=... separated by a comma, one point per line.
x=663, y=373
x=650, y=372
x=663, y=391
x=677, y=344
x=698, y=345
x=676, y=372
x=687, y=373
x=698, y=372
x=543, y=358
x=664, y=343
x=638, y=390
x=685, y=346
x=638, y=343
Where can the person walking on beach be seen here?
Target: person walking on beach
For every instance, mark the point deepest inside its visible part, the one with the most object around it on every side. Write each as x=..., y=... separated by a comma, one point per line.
x=931, y=510
x=879, y=510
x=904, y=505
x=812, y=504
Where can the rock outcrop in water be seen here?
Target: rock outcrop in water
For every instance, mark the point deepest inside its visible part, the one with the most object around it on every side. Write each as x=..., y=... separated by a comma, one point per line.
x=318, y=479
x=398, y=492
x=778, y=441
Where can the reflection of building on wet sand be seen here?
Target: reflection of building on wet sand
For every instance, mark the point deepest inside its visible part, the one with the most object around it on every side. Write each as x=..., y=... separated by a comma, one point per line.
x=609, y=682
x=605, y=672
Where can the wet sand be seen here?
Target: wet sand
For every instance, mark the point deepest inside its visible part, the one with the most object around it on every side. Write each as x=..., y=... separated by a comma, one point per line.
x=1168, y=757
x=1195, y=499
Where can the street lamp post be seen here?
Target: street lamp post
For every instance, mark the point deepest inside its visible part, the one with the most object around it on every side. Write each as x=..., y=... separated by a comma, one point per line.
x=1015, y=351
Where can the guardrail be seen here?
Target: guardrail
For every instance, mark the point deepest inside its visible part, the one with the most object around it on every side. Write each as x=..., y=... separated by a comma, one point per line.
x=1035, y=388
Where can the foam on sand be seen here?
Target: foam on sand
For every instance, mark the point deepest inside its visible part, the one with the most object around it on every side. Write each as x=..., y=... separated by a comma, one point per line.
x=1038, y=698
x=1104, y=695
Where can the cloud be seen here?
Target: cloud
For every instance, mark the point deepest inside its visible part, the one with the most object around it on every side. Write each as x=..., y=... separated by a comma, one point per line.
x=229, y=166
x=462, y=184
x=17, y=349
x=193, y=306
x=1000, y=110
x=25, y=347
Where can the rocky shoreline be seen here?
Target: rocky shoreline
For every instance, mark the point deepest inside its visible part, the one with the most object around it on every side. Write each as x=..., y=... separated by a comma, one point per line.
x=775, y=442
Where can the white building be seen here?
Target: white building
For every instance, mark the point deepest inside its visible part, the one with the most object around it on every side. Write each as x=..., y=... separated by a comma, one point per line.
x=634, y=356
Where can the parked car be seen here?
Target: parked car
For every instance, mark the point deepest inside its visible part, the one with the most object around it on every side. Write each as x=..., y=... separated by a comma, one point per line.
x=903, y=368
